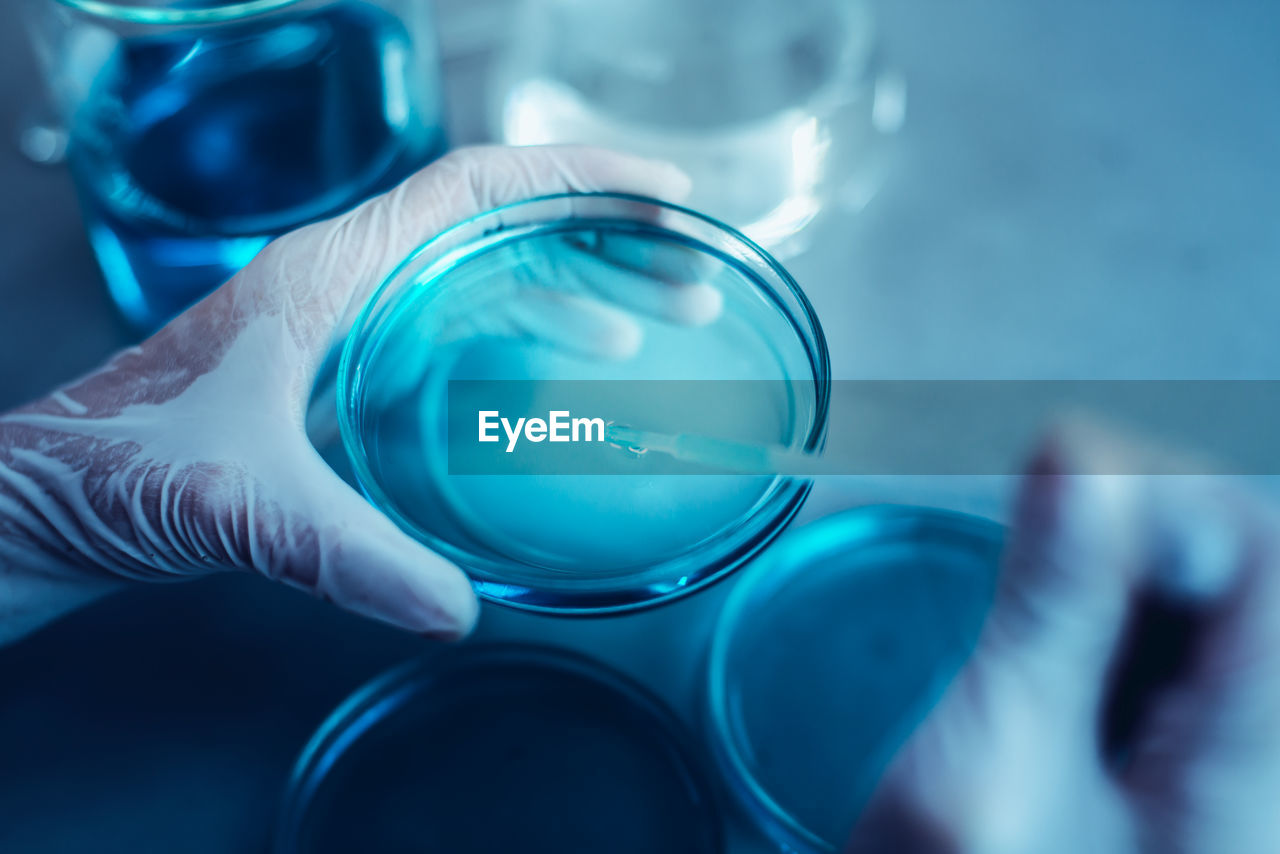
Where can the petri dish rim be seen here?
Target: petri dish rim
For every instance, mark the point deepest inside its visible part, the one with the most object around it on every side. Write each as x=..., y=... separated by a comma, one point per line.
x=365, y=707
x=792, y=555
x=772, y=513
x=205, y=13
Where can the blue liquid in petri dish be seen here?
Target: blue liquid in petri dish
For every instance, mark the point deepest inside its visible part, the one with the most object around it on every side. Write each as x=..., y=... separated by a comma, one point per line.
x=630, y=532
x=500, y=749
x=832, y=649
x=194, y=149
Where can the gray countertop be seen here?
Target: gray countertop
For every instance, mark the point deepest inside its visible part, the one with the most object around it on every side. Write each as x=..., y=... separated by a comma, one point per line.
x=1082, y=190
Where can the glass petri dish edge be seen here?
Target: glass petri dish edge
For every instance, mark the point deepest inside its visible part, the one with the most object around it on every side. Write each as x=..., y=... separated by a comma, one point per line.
x=365, y=707
x=170, y=16
x=817, y=538
x=786, y=496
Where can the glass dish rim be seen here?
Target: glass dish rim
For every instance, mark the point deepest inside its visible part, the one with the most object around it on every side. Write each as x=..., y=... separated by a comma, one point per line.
x=165, y=15
x=365, y=707
x=777, y=507
x=787, y=557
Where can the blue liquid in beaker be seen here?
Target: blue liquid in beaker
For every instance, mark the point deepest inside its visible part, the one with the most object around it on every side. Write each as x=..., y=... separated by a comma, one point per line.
x=195, y=149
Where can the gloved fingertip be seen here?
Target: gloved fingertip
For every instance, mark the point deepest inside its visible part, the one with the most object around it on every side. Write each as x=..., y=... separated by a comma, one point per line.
x=1073, y=493
x=1187, y=531
x=577, y=324
x=671, y=183
x=623, y=344
x=699, y=305
x=385, y=575
x=444, y=606
x=460, y=610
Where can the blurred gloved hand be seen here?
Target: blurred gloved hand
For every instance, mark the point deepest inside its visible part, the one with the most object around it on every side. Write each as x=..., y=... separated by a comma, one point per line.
x=187, y=454
x=1125, y=694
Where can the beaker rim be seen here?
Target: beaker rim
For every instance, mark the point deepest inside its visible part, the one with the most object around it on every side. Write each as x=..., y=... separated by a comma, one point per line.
x=204, y=12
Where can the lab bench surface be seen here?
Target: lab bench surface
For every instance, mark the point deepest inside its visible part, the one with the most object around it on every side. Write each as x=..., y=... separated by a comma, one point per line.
x=1080, y=191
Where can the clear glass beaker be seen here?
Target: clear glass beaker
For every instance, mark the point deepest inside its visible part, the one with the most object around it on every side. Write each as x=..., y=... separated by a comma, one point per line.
x=773, y=108
x=197, y=131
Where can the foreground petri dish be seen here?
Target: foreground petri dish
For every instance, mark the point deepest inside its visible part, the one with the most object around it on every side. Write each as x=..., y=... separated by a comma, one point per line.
x=499, y=748
x=829, y=652
x=671, y=322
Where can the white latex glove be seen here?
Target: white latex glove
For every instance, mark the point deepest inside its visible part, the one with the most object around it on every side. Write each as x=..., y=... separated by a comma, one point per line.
x=187, y=454
x=1109, y=580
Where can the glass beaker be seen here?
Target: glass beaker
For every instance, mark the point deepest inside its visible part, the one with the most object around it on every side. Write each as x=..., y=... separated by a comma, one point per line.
x=774, y=109
x=198, y=131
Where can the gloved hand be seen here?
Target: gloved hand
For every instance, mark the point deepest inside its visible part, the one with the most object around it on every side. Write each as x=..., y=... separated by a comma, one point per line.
x=187, y=454
x=1125, y=693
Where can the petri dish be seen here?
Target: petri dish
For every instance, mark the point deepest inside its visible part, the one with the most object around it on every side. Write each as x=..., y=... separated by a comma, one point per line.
x=831, y=649
x=499, y=748
x=573, y=301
